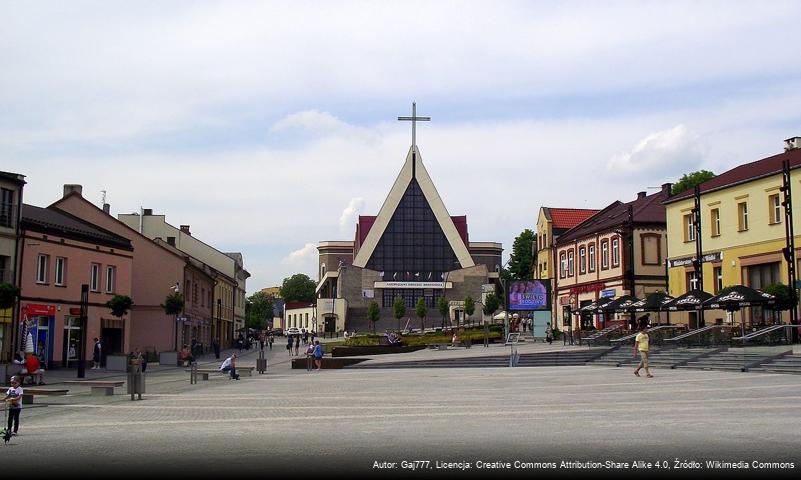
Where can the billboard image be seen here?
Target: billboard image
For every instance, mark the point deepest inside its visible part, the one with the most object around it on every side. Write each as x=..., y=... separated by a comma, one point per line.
x=529, y=295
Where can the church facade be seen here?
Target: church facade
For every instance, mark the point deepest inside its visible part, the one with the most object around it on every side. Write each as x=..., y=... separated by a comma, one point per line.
x=412, y=249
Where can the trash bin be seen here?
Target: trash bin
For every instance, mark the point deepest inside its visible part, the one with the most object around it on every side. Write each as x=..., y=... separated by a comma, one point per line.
x=261, y=363
x=136, y=380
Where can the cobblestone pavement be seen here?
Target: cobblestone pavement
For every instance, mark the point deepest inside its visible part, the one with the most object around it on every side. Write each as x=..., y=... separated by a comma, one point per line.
x=346, y=420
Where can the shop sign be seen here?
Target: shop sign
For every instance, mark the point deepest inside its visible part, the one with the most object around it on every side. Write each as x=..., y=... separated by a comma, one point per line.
x=688, y=261
x=34, y=309
x=608, y=293
x=593, y=287
x=423, y=285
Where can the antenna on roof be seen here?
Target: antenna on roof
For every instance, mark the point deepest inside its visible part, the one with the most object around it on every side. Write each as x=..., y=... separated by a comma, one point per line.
x=103, y=200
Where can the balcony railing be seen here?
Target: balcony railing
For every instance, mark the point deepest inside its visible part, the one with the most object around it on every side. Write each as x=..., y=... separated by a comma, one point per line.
x=8, y=215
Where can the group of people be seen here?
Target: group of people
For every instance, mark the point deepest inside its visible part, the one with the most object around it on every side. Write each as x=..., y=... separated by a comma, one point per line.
x=293, y=342
x=30, y=366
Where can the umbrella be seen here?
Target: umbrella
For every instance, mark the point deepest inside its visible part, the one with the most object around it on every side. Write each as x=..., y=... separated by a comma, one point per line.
x=654, y=302
x=499, y=316
x=594, y=306
x=691, y=300
x=619, y=304
x=738, y=296
x=29, y=343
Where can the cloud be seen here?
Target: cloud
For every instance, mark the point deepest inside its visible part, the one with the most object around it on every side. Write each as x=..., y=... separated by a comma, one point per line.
x=303, y=260
x=350, y=213
x=668, y=151
x=310, y=120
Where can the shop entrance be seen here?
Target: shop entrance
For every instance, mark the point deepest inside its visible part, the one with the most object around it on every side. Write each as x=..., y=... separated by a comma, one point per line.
x=72, y=339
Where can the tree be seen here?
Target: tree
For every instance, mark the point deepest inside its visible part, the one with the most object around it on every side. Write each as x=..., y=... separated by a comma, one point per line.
x=690, y=180
x=373, y=314
x=399, y=309
x=298, y=288
x=783, y=296
x=444, y=307
x=522, y=258
x=119, y=305
x=469, y=307
x=8, y=295
x=173, y=304
x=422, y=311
x=491, y=304
x=258, y=310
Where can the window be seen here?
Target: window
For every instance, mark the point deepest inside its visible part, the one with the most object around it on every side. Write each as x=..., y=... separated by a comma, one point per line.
x=570, y=264
x=562, y=265
x=717, y=272
x=171, y=241
x=604, y=254
x=194, y=293
x=111, y=274
x=715, y=213
x=94, y=277
x=689, y=228
x=202, y=297
x=6, y=207
x=307, y=320
x=41, y=268
x=544, y=240
x=582, y=260
x=742, y=216
x=692, y=281
x=615, y=252
x=591, y=257
x=651, y=249
x=61, y=263
x=775, y=206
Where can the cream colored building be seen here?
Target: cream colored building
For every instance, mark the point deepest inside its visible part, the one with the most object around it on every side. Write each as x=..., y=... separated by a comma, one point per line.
x=11, y=187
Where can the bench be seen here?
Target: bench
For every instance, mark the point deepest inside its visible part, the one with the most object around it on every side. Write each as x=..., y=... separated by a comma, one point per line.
x=205, y=372
x=99, y=387
x=29, y=393
x=438, y=346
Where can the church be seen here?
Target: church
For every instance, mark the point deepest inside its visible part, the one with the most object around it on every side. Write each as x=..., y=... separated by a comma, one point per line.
x=412, y=249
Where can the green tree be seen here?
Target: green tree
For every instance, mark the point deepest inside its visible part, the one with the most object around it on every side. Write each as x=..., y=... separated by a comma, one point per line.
x=373, y=314
x=298, y=288
x=119, y=305
x=444, y=307
x=422, y=311
x=783, y=296
x=173, y=304
x=491, y=304
x=469, y=307
x=8, y=295
x=399, y=309
x=690, y=180
x=522, y=258
x=258, y=310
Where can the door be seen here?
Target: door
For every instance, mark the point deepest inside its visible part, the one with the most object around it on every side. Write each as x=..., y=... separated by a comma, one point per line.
x=71, y=343
x=330, y=324
x=111, y=339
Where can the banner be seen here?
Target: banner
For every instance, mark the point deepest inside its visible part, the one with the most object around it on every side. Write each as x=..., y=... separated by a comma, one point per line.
x=530, y=295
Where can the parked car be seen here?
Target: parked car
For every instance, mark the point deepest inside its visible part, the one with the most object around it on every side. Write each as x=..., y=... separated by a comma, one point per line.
x=293, y=331
x=278, y=332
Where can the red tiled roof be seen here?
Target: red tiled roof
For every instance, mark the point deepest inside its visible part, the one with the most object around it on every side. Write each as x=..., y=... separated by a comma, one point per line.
x=569, y=217
x=743, y=173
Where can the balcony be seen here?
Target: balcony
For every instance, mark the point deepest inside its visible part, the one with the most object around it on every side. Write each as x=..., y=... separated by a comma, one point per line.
x=8, y=215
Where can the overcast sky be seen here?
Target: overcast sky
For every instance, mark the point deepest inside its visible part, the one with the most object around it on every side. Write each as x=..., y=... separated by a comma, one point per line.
x=269, y=126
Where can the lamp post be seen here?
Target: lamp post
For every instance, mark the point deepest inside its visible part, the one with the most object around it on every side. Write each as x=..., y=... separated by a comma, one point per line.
x=789, y=249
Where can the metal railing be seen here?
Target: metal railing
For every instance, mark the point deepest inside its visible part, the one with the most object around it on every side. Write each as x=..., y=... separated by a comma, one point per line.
x=657, y=335
x=8, y=215
x=603, y=335
x=706, y=336
x=772, y=335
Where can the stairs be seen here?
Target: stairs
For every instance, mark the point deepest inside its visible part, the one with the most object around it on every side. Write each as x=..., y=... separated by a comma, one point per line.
x=729, y=360
x=786, y=364
x=545, y=359
x=618, y=357
x=668, y=358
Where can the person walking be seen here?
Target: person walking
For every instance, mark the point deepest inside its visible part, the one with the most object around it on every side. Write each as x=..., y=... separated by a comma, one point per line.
x=549, y=333
x=641, y=346
x=270, y=340
x=229, y=366
x=305, y=337
x=309, y=355
x=289, y=342
x=14, y=401
x=97, y=352
x=318, y=355
x=297, y=345
x=215, y=345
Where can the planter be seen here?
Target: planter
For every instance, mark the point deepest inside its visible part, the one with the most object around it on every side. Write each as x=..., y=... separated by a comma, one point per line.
x=168, y=359
x=117, y=363
x=373, y=350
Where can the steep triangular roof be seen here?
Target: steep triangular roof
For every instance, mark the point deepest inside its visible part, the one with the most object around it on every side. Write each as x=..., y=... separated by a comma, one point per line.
x=413, y=170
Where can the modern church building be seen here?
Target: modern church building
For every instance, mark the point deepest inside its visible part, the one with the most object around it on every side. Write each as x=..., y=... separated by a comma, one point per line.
x=412, y=249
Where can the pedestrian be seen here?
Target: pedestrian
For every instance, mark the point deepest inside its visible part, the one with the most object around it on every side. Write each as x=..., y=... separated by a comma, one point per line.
x=34, y=369
x=215, y=345
x=309, y=355
x=97, y=352
x=239, y=343
x=305, y=337
x=641, y=346
x=270, y=340
x=318, y=355
x=141, y=358
x=549, y=333
x=289, y=342
x=297, y=345
x=14, y=401
x=229, y=366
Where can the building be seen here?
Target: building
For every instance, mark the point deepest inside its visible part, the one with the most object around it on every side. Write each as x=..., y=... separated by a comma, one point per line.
x=59, y=254
x=11, y=188
x=413, y=249
x=618, y=251
x=241, y=275
x=300, y=315
x=226, y=284
x=742, y=232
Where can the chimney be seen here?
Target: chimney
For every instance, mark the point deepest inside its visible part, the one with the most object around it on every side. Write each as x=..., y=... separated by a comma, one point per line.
x=72, y=187
x=185, y=229
x=147, y=211
x=793, y=143
x=667, y=189
x=107, y=208
x=640, y=195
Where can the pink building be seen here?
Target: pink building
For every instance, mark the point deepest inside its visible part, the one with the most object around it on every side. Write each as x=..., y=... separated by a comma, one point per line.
x=59, y=253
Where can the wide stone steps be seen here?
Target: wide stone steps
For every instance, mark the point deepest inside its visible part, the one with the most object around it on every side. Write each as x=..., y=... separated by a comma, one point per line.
x=659, y=358
x=786, y=364
x=547, y=359
x=726, y=361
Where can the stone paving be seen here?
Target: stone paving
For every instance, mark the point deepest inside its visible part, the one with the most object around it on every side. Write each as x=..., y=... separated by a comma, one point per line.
x=347, y=420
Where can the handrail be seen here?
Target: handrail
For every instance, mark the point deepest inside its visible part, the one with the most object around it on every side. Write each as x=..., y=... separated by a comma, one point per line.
x=652, y=329
x=693, y=332
x=763, y=331
x=601, y=333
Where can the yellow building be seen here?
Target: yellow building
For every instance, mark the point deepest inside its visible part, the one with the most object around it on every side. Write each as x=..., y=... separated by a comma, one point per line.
x=742, y=234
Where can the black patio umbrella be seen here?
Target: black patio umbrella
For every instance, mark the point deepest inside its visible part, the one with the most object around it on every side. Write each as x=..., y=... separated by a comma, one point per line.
x=620, y=304
x=654, y=302
x=737, y=297
x=594, y=306
x=691, y=300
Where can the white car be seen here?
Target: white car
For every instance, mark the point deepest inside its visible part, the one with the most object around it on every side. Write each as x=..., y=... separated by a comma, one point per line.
x=292, y=331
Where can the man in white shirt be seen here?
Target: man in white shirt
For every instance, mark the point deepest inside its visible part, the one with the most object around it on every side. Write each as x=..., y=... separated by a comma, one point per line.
x=229, y=365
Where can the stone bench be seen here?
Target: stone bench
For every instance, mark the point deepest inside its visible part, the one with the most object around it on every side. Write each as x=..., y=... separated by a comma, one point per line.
x=205, y=372
x=29, y=393
x=99, y=387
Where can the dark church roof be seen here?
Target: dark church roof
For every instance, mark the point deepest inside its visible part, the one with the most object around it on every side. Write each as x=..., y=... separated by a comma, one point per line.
x=366, y=223
x=57, y=222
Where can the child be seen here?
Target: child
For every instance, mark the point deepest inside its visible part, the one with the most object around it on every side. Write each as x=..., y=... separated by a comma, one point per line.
x=14, y=401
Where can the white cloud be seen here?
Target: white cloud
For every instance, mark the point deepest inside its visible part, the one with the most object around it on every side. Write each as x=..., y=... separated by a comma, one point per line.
x=303, y=260
x=350, y=213
x=668, y=151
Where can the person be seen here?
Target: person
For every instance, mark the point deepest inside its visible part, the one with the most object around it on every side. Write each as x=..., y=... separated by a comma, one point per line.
x=641, y=346
x=345, y=335
x=305, y=337
x=297, y=345
x=186, y=356
x=309, y=354
x=19, y=358
x=270, y=340
x=455, y=338
x=239, y=342
x=215, y=345
x=141, y=358
x=289, y=342
x=34, y=368
x=71, y=353
x=97, y=354
x=193, y=351
x=318, y=355
x=14, y=401
x=549, y=333
x=229, y=365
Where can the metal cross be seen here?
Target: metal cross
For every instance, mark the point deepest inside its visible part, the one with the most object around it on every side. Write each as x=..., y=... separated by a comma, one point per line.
x=414, y=119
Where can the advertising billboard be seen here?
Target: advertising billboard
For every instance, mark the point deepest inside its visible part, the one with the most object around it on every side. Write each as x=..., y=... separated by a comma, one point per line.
x=530, y=295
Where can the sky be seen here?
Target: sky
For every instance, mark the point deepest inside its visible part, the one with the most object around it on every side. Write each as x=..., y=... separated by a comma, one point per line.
x=270, y=126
